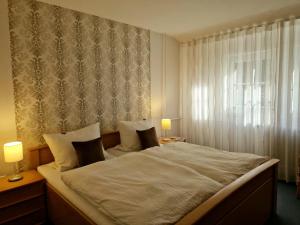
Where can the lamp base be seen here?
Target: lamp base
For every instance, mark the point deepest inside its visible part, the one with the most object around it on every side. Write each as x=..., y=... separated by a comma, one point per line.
x=15, y=177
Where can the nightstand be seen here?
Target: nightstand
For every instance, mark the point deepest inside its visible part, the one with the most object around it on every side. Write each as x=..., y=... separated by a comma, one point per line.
x=171, y=139
x=23, y=201
x=298, y=179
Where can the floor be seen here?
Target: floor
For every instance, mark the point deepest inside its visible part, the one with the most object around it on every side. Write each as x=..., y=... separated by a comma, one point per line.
x=288, y=206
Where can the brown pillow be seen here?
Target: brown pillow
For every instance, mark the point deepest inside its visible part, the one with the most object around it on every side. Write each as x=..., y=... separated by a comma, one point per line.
x=148, y=138
x=89, y=151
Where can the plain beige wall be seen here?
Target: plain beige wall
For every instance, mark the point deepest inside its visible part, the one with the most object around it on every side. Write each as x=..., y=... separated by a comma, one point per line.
x=164, y=67
x=7, y=110
x=164, y=61
x=171, y=91
x=156, y=65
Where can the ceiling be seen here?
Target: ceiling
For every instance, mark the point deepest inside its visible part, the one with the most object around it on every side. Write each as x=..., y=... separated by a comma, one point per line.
x=185, y=19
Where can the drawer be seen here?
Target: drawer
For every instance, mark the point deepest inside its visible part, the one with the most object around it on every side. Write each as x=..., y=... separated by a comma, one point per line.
x=20, y=194
x=22, y=209
x=36, y=217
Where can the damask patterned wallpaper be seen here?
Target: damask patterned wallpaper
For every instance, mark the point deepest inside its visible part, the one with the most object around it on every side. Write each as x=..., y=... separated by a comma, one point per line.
x=71, y=69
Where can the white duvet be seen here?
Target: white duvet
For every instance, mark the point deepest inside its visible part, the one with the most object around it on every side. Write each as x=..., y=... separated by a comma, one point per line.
x=138, y=189
x=159, y=185
x=221, y=166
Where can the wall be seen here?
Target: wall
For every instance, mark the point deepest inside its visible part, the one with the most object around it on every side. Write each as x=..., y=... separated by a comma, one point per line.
x=171, y=88
x=7, y=112
x=79, y=69
x=164, y=83
x=164, y=64
x=156, y=64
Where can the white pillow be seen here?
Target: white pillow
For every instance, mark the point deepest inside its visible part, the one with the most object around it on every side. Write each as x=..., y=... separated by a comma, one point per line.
x=107, y=156
x=129, y=138
x=62, y=148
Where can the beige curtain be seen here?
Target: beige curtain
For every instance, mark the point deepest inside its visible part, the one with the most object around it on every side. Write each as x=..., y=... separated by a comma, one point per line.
x=240, y=92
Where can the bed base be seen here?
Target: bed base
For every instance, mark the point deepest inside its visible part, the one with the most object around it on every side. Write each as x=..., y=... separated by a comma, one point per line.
x=60, y=211
x=249, y=200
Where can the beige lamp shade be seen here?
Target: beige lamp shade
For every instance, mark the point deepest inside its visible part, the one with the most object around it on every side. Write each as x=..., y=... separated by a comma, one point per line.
x=13, y=151
x=166, y=124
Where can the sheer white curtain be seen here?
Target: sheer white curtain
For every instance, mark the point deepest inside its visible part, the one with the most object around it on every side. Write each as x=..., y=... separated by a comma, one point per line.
x=240, y=92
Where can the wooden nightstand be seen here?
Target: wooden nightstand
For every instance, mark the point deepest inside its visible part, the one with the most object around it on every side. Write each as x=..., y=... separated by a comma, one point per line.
x=171, y=139
x=298, y=179
x=23, y=202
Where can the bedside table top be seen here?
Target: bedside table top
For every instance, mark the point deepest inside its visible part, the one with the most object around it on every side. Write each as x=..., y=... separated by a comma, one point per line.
x=29, y=177
x=171, y=139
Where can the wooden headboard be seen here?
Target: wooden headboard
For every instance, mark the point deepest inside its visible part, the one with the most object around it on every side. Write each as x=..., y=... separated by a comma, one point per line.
x=42, y=155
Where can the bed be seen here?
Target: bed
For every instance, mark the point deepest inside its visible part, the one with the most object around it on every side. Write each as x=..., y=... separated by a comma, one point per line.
x=250, y=199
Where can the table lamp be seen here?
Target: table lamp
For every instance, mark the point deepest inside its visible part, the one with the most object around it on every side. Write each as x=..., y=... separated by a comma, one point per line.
x=166, y=125
x=13, y=152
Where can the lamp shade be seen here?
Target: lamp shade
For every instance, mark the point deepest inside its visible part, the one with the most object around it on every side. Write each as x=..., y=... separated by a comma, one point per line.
x=13, y=151
x=166, y=124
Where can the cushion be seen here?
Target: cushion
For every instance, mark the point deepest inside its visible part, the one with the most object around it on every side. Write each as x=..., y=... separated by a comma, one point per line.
x=61, y=145
x=148, y=138
x=89, y=151
x=129, y=138
x=107, y=155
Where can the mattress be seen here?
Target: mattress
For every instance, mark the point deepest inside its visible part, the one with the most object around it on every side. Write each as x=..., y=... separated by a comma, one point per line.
x=53, y=177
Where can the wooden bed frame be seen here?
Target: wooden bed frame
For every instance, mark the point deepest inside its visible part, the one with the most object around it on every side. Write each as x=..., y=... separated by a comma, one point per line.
x=249, y=200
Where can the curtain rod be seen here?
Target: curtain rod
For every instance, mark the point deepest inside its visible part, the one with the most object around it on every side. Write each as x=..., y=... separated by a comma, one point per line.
x=241, y=28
